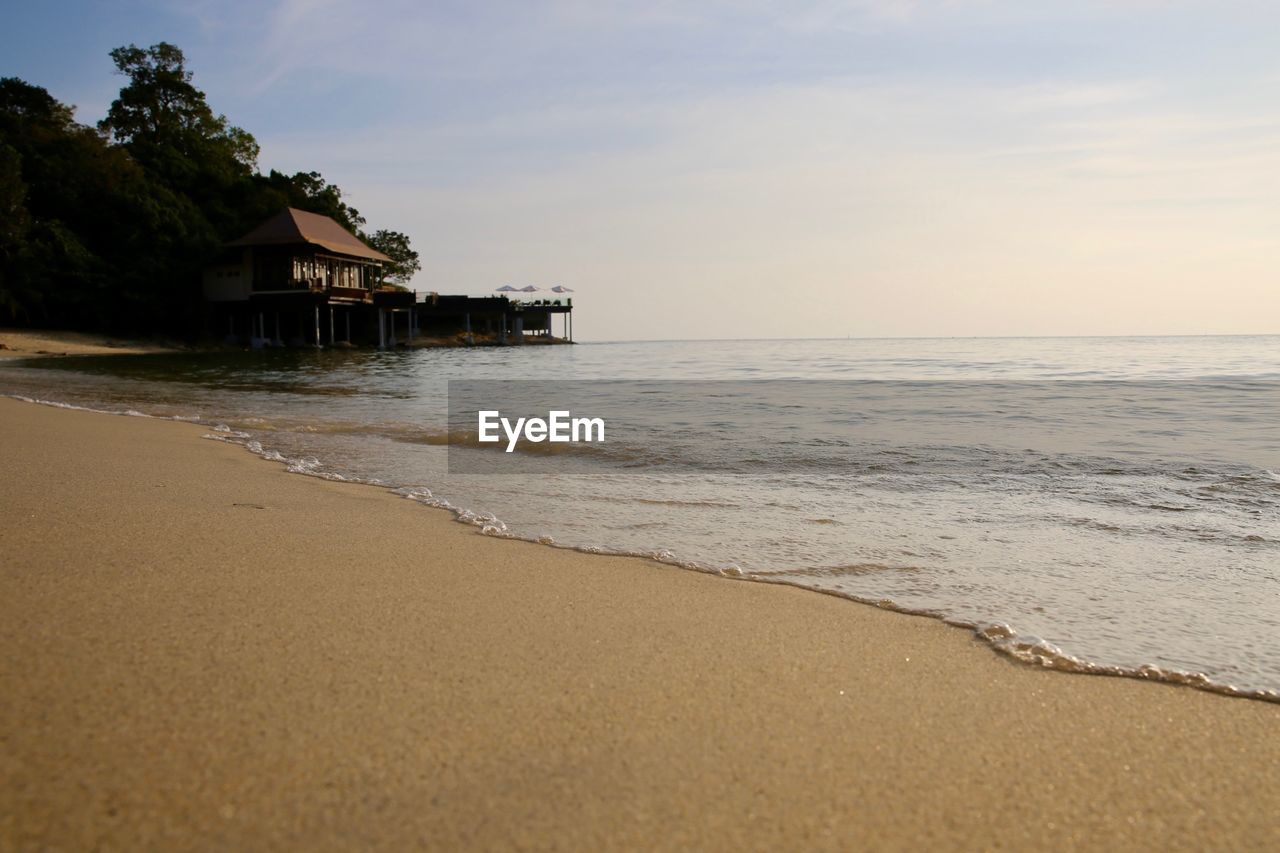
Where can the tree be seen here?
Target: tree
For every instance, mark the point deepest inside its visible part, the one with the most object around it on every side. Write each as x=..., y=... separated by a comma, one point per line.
x=15, y=299
x=404, y=260
x=166, y=122
x=24, y=104
x=107, y=228
x=102, y=243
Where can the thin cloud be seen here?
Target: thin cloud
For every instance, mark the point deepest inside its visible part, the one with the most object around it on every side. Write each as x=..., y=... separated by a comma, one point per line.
x=877, y=155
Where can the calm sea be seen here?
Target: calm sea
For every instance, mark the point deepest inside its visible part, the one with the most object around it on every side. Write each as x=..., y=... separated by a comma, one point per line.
x=1109, y=505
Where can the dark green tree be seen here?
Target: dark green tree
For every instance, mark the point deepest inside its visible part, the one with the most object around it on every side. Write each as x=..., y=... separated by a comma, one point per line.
x=404, y=260
x=106, y=245
x=16, y=299
x=167, y=125
x=107, y=228
x=307, y=191
x=44, y=152
x=160, y=112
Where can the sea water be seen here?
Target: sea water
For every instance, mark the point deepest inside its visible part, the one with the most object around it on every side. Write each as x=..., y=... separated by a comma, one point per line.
x=1105, y=505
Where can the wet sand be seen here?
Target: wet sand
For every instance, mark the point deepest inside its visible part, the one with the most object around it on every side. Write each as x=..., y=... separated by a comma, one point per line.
x=204, y=651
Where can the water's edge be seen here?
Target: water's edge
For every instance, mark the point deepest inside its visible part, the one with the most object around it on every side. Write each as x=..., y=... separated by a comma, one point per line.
x=1001, y=638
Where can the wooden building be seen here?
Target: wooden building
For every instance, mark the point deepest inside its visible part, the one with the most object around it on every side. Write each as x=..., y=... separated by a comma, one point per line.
x=494, y=318
x=300, y=278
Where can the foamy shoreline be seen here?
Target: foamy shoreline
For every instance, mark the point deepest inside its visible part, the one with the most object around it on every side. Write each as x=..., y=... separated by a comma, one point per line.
x=1001, y=637
x=203, y=651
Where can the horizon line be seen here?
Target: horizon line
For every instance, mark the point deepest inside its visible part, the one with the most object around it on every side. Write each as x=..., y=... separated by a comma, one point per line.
x=930, y=338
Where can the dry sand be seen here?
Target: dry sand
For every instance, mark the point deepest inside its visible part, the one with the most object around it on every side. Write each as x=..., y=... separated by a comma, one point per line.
x=24, y=343
x=203, y=651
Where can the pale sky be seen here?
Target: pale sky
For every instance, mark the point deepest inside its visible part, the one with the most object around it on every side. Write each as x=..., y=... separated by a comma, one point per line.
x=763, y=168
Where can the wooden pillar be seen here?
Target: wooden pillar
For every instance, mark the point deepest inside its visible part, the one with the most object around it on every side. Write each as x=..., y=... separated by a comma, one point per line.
x=391, y=317
x=332, y=339
x=382, y=329
x=347, y=315
x=317, y=325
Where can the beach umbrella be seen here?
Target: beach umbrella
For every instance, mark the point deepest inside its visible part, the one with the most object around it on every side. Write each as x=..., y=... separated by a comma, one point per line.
x=529, y=288
x=508, y=288
x=559, y=288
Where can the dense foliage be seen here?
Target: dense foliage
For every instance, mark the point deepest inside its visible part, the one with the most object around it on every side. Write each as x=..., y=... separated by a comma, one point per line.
x=404, y=260
x=107, y=228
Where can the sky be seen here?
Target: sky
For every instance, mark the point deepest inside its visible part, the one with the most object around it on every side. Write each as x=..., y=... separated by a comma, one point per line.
x=759, y=168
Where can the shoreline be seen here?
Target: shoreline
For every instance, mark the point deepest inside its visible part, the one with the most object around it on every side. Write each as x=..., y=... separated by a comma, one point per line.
x=997, y=637
x=57, y=343
x=203, y=650
x=46, y=343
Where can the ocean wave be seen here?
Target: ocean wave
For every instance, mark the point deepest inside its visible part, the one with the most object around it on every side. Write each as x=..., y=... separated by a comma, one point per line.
x=1152, y=485
x=129, y=413
x=1033, y=650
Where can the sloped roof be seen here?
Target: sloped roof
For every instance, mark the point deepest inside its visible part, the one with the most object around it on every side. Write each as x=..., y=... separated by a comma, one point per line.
x=291, y=226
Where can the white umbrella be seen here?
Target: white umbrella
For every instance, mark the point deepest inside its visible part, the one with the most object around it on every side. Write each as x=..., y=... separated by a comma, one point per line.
x=529, y=288
x=508, y=288
x=561, y=289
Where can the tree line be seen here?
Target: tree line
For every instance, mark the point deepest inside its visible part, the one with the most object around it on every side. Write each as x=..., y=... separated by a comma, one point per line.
x=107, y=228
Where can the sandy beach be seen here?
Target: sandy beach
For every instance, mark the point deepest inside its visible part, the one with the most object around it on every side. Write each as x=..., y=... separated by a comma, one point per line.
x=202, y=650
x=25, y=343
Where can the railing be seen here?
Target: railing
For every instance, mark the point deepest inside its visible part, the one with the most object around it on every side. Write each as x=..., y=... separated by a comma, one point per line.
x=348, y=293
x=316, y=285
x=287, y=285
x=542, y=303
